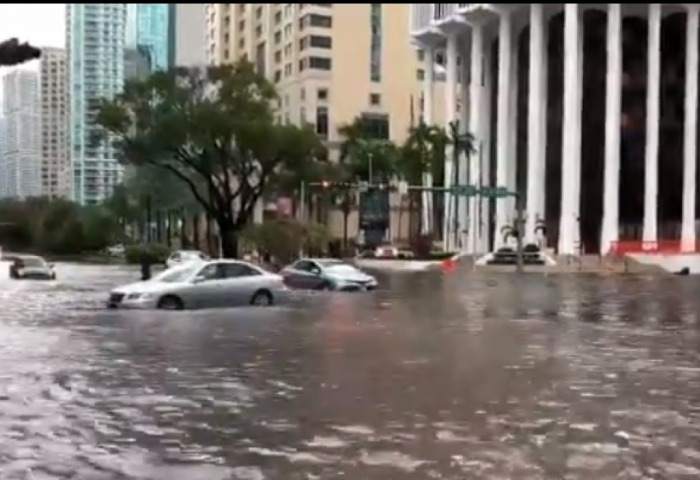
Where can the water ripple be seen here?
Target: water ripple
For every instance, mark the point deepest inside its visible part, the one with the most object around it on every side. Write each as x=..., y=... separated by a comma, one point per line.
x=434, y=377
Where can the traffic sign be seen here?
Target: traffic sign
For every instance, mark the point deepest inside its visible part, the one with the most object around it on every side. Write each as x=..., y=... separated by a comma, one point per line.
x=496, y=192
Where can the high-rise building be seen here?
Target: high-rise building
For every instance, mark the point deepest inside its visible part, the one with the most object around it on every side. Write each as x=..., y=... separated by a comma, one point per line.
x=5, y=178
x=54, y=116
x=22, y=127
x=188, y=34
x=331, y=63
x=95, y=40
x=149, y=30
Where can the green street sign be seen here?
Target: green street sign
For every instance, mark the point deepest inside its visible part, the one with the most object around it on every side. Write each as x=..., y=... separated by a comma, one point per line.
x=495, y=192
x=468, y=190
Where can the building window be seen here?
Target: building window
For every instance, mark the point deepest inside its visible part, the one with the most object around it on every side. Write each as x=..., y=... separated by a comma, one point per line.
x=420, y=74
x=375, y=99
x=376, y=42
x=322, y=122
x=320, y=63
x=314, y=20
x=318, y=41
x=322, y=94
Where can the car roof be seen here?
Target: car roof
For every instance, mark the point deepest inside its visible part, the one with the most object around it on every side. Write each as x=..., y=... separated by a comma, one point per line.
x=20, y=256
x=324, y=261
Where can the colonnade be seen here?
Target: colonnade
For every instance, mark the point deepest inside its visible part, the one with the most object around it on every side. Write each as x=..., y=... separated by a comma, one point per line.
x=474, y=217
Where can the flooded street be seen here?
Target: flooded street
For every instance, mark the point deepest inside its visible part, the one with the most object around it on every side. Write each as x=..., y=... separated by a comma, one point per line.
x=434, y=376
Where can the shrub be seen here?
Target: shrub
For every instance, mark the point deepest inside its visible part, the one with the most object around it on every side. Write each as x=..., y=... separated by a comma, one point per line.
x=155, y=252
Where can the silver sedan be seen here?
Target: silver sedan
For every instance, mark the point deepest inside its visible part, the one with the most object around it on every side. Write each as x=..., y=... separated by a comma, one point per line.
x=211, y=284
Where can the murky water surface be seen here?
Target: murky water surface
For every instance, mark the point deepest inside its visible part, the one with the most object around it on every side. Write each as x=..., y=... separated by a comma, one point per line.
x=434, y=377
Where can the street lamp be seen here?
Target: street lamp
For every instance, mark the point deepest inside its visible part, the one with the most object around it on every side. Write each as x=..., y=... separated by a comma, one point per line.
x=14, y=53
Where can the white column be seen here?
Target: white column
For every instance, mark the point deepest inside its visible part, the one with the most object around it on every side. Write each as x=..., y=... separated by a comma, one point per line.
x=544, y=85
x=450, y=116
x=578, y=131
x=485, y=106
x=429, y=68
x=613, y=114
x=535, y=150
x=505, y=45
x=464, y=127
x=651, y=154
x=513, y=128
x=690, y=136
x=571, y=151
x=476, y=117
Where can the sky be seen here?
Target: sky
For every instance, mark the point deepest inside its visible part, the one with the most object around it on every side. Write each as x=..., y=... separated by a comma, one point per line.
x=41, y=24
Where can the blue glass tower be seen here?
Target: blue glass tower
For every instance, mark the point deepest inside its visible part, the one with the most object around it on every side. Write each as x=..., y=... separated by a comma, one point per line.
x=149, y=29
x=95, y=35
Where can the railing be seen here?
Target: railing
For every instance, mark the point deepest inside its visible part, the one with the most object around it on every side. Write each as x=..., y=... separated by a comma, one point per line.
x=421, y=16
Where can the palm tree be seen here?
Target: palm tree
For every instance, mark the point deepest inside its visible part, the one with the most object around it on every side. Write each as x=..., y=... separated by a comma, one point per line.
x=423, y=153
x=508, y=232
x=541, y=231
x=460, y=143
x=364, y=158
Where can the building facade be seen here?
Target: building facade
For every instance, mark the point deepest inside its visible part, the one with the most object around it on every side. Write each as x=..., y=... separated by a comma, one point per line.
x=603, y=153
x=22, y=139
x=95, y=41
x=331, y=63
x=149, y=29
x=188, y=34
x=53, y=94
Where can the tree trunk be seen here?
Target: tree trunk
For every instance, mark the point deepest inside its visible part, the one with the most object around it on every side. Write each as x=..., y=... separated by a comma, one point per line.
x=229, y=239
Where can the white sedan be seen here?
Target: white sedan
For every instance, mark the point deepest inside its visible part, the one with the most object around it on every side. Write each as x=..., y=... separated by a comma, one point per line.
x=207, y=284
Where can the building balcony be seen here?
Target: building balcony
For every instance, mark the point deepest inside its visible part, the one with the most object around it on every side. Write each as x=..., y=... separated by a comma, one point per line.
x=422, y=25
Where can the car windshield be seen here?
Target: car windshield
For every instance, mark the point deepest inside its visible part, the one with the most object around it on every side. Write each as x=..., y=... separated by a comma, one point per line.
x=175, y=275
x=341, y=269
x=33, y=262
x=192, y=255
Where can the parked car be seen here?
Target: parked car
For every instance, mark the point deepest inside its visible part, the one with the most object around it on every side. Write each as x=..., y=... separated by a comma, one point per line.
x=206, y=284
x=327, y=274
x=29, y=267
x=185, y=256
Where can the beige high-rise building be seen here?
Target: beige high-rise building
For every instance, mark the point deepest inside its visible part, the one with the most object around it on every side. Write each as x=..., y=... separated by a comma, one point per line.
x=331, y=63
x=55, y=168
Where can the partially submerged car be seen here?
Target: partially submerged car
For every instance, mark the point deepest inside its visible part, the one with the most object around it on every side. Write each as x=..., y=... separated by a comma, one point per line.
x=206, y=284
x=327, y=274
x=29, y=267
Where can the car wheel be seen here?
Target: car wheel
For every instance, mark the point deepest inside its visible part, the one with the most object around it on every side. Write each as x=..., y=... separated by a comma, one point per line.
x=327, y=287
x=263, y=298
x=170, y=302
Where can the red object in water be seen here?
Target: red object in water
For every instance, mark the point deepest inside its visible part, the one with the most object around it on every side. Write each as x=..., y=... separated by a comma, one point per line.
x=448, y=265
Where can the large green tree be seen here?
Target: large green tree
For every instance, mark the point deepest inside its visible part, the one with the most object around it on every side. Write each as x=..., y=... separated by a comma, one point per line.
x=215, y=130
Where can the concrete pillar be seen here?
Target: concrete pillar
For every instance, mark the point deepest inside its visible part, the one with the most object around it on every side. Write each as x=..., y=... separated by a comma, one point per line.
x=505, y=42
x=536, y=110
x=428, y=91
x=690, y=136
x=450, y=116
x=484, y=146
x=571, y=148
x=476, y=119
x=613, y=114
x=651, y=154
x=464, y=126
x=513, y=128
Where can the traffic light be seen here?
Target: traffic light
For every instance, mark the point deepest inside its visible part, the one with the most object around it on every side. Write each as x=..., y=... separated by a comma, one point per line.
x=13, y=53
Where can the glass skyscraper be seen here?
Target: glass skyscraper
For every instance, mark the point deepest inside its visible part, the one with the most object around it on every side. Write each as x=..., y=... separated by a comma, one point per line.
x=95, y=40
x=149, y=29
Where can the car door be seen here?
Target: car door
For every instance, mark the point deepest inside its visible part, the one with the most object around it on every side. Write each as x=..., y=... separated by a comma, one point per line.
x=300, y=275
x=208, y=287
x=239, y=284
